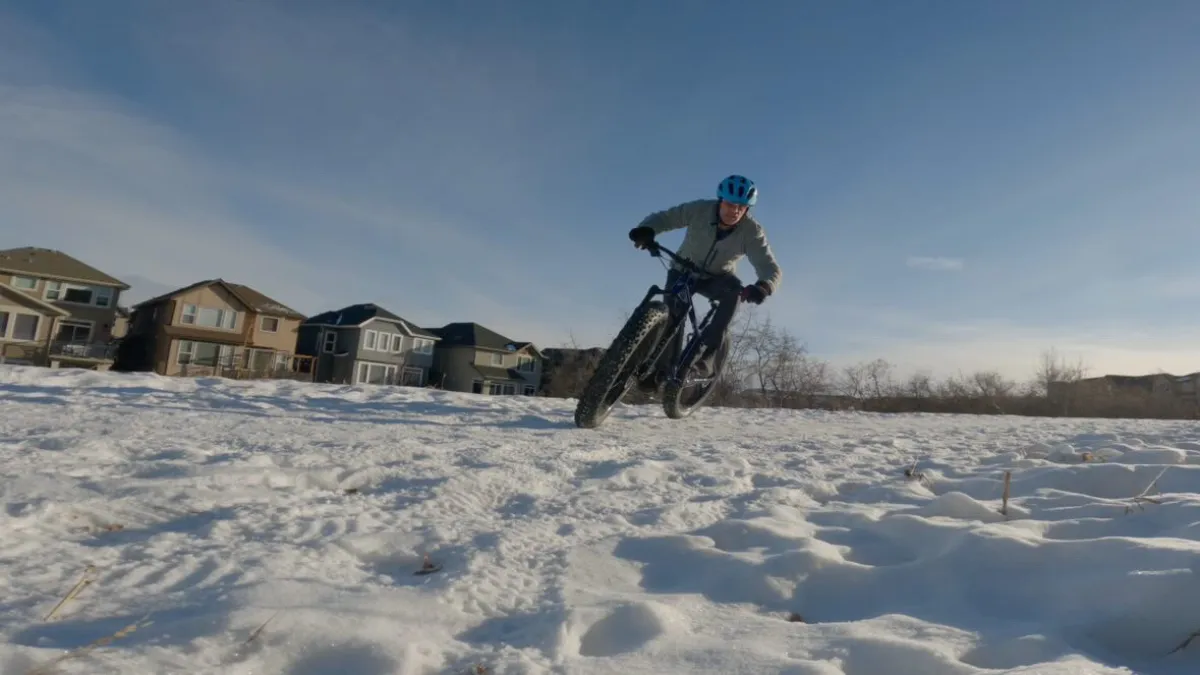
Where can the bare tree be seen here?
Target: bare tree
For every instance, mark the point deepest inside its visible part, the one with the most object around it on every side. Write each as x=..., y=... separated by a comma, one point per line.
x=878, y=379
x=738, y=373
x=853, y=381
x=990, y=384
x=787, y=376
x=1054, y=368
x=919, y=389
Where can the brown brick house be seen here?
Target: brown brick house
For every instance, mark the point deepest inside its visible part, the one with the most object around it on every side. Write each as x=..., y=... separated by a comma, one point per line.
x=213, y=327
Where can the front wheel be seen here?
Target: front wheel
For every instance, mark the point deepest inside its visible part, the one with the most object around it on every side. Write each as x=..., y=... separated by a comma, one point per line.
x=681, y=398
x=614, y=373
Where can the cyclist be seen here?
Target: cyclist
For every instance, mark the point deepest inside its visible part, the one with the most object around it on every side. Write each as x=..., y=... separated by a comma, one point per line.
x=720, y=232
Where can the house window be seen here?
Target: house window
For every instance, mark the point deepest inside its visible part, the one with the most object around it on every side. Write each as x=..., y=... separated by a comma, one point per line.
x=370, y=339
x=529, y=390
x=25, y=327
x=502, y=388
x=3, y=325
x=413, y=377
x=259, y=360
x=204, y=354
x=375, y=373
x=216, y=318
x=497, y=359
x=80, y=295
x=397, y=343
x=73, y=330
x=525, y=363
x=209, y=317
x=25, y=283
x=269, y=324
x=330, y=343
x=422, y=346
x=477, y=386
x=100, y=296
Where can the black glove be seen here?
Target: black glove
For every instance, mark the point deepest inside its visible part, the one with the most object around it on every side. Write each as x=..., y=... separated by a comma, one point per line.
x=755, y=293
x=642, y=237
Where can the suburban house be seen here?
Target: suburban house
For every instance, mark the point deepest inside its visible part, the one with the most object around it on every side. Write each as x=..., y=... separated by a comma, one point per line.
x=56, y=310
x=214, y=327
x=366, y=344
x=472, y=358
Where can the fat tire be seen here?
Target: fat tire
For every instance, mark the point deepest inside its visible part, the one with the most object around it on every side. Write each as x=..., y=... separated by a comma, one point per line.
x=592, y=408
x=672, y=390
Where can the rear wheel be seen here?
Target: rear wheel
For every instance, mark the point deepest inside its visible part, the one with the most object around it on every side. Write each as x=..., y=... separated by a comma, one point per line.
x=681, y=399
x=615, y=373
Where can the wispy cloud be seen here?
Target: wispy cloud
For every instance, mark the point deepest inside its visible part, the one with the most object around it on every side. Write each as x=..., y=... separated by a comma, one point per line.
x=914, y=344
x=486, y=166
x=935, y=264
x=82, y=172
x=304, y=168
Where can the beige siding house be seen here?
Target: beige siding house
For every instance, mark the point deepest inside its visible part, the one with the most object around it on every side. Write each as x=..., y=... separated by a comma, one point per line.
x=471, y=358
x=213, y=327
x=80, y=329
x=27, y=325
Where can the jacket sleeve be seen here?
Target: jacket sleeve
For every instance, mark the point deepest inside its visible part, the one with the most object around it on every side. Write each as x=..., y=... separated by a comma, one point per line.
x=758, y=250
x=674, y=218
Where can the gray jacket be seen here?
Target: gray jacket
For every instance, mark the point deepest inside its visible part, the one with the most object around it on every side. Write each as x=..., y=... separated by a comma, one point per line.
x=700, y=243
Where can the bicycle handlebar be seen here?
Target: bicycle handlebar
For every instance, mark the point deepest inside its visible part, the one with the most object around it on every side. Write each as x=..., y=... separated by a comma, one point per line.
x=656, y=248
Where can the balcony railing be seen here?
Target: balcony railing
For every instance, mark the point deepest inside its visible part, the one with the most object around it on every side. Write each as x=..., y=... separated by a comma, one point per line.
x=241, y=373
x=93, y=351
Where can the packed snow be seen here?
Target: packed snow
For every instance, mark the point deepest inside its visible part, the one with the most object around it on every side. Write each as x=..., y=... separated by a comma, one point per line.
x=278, y=527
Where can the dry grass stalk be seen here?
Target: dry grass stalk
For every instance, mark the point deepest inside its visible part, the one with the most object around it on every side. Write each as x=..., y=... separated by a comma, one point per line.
x=912, y=474
x=1007, y=489
x=1142, y=499
x=260, y=628
x=80, y=651
x=83, y=582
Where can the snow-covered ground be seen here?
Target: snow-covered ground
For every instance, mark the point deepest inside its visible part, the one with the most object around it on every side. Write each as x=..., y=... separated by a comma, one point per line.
x=207, y=508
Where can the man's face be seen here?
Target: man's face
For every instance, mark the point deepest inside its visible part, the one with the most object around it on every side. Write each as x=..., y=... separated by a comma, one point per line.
x=731, y=213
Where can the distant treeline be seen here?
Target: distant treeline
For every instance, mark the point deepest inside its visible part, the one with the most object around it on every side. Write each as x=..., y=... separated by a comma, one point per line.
x=770, y=368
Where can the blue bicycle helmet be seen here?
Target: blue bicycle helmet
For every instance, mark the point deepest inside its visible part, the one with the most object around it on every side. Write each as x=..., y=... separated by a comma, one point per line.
x=739, y=190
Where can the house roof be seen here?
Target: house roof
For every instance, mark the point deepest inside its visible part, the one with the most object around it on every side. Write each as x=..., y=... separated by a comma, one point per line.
x=28, y=300
x=356, y=315
x=497, y=373
x=261, y=303
x=45, y=262
x=470, y=334
x=249, y=297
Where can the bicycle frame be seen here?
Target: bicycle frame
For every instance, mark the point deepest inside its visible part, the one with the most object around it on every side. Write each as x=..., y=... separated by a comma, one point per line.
x=681, y=309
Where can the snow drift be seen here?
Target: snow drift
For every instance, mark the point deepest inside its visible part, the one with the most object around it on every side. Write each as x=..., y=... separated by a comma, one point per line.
x=277, y=527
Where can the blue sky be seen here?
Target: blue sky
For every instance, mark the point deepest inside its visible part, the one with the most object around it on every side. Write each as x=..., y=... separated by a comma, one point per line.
x=951, y=186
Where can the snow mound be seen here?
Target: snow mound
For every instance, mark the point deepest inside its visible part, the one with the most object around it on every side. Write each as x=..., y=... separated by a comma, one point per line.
x=283, y=527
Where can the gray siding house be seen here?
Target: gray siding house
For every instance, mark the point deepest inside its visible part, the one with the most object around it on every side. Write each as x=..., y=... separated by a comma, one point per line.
x=471, y=358
x=367, y=344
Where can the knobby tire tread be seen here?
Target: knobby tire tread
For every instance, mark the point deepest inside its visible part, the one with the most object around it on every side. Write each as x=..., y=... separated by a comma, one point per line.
x=591, y=411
